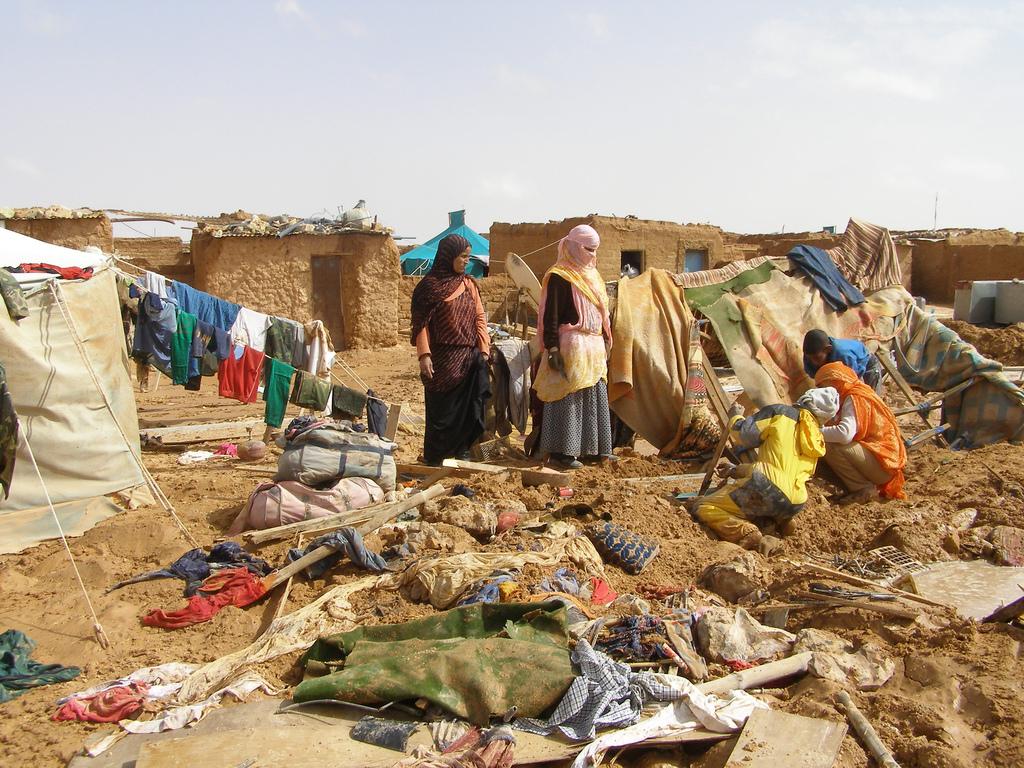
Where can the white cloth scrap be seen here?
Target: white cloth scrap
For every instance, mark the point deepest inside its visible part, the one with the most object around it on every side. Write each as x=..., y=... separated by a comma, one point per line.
x=178, y=717
x=163, y=681
x=250, y=328
x=694, y=710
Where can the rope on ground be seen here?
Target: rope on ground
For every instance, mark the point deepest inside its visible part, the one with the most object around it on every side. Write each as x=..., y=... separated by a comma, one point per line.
x=97, y=628
x=69, y=320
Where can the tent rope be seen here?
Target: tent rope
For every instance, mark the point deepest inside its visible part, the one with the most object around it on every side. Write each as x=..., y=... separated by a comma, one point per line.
x=150, y=480
x=97, y=628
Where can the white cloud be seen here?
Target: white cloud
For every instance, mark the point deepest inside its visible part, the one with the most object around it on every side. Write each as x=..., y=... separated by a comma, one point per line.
x=507, y=186
x=42, y=20
x=291, y=9
x=597, y=24
x=974, y=168
x=22, y=166
x=352, y=28
x=913, y=54
x=519, y=80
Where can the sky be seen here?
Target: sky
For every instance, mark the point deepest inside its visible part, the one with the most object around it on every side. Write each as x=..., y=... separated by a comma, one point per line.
x=755, y=116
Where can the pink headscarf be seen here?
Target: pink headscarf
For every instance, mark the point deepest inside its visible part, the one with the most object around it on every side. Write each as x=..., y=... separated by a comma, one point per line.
x=572, y=249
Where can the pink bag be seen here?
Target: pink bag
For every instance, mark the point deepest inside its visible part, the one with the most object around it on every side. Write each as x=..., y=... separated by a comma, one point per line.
x=274, y=504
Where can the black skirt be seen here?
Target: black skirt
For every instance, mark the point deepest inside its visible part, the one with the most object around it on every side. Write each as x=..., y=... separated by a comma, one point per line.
x=455, y=419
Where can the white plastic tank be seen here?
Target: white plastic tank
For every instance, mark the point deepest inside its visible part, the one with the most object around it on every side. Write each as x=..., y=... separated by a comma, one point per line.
x=358, y=217
x=1010, y=302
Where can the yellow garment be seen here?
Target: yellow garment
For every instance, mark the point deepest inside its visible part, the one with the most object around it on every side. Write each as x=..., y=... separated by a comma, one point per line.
x=649, y=364
x=582, y=345
x=787, y=456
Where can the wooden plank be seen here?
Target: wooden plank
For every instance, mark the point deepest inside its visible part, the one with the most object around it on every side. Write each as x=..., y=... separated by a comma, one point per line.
x=693, y=476
x=719, y=450
x=329, y=522
x=475, y=466
x=849, y=578
x=391, y=429
x=772, y=738
x=864, y=605
x=435, y=477
x=934, y=401
x=425, y=470
x=200, y=433
x=720, y=400
x=544, y=476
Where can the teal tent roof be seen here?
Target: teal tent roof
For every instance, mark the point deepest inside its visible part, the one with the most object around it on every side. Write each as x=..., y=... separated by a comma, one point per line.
x=420, y=259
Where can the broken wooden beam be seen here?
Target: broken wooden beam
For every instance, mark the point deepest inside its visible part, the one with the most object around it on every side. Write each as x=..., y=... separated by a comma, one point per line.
x=933, y=401
x=861, y=582
x=685, y=478
x=757, y=677
x=355, y=516
x=199, y=433
x=864, y=605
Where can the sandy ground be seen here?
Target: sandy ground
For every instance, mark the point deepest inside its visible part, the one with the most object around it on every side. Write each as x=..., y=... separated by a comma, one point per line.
x=954, y=700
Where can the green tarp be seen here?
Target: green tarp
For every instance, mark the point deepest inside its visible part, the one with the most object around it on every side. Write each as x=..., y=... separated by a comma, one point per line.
x=476, y=661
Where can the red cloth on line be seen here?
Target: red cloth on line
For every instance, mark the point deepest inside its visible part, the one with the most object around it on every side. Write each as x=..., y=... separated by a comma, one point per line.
x=67, y=273
x=234, y=586
x=602, y=593
x=239, y=375
x=108, y=706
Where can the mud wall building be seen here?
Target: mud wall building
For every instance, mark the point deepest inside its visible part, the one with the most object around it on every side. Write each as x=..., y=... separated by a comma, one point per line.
x=349, y=280
x=168, y=256
x=72, y=228
x=641, y=243
x=941, y=260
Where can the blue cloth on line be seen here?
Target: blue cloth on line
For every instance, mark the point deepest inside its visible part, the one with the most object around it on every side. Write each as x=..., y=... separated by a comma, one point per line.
x=209, y=309
x=850, y=352
x=349, y=543
x=156, y=324
x=838, y=292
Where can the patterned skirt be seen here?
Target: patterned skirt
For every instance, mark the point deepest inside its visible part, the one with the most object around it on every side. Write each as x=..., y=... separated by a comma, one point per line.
x=579, y=424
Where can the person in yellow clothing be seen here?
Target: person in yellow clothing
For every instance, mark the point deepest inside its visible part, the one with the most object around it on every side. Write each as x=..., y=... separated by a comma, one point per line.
x=789, y=443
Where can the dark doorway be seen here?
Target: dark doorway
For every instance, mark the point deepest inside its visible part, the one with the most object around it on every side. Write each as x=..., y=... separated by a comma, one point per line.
x=327, y=299
x=631, y=262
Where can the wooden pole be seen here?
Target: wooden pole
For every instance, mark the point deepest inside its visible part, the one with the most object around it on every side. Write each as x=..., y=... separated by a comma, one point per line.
x=719, y=450
x=884, y=610
x=323, y=524
x=757, y=677
x=866, y=732
x=851, y=579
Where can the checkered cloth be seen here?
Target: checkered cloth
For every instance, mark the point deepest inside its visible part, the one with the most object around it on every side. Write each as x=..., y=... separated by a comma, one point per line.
x=605, y=695
x=931, y=356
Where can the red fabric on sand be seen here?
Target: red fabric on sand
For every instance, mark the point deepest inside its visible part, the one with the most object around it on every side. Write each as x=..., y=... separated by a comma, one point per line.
x=235, y=586
x=109, y=706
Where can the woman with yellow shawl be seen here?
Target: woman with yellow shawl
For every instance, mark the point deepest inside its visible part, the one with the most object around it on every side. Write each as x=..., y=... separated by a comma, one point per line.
x=572, y=380
x=863, y=445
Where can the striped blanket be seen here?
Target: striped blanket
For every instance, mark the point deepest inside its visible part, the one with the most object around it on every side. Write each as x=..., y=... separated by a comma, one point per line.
x=867, y=257
x=932, y=357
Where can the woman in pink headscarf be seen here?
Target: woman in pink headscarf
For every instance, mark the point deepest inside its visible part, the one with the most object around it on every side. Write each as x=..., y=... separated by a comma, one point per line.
x=572, y=380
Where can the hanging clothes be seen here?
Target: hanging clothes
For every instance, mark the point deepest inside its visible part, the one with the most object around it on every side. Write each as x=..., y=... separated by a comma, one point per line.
x=250, y=328
x=157, y=322
x=311, y=392
x=14, y=296
x=300, y=357
x=8, y=434
x=347, y=403
x=181, y=348
x=277, y=383
x=376, y=414
x=155, y=283
x=239, y=375
x=516, y=354
x=281, y=338
x=319, y=350
x=209, y=309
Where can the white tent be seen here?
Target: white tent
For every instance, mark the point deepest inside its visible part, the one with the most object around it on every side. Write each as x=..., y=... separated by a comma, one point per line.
x=67, y=371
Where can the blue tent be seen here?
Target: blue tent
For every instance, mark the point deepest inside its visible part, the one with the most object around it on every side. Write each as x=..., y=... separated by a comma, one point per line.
x=420, y=259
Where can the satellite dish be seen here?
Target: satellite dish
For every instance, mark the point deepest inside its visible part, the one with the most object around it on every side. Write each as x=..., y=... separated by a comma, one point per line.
x=523, y=277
